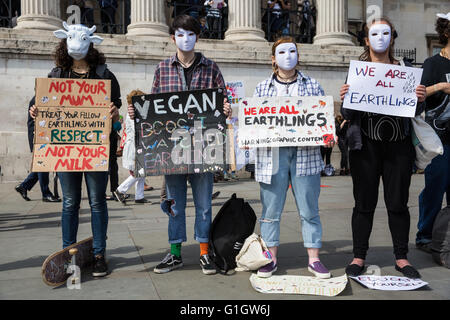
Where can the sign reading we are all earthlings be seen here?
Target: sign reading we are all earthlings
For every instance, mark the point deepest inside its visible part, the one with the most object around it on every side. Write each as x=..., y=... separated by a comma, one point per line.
x=72, y=126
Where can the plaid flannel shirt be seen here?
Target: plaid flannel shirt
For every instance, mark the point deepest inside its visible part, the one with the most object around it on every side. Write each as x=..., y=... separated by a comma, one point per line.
x=169, y=76
x=309, y=160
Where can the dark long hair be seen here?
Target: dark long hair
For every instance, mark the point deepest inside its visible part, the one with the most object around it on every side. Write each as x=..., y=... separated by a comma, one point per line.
x=64, y=61
x=443, y=30
x=365, y=56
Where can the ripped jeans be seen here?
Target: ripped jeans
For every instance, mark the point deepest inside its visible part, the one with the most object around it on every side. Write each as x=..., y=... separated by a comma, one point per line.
x=202, y=186
x=306, y=190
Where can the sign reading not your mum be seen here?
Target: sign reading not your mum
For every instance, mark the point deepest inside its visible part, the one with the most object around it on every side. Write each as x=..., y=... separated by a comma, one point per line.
x=180, y=132
x=382, y=88
x=286, y=121
x=72, y=126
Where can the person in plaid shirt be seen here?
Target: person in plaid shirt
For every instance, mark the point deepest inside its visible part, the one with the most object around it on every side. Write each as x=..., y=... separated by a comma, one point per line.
x=187, y=70
x=276, y=168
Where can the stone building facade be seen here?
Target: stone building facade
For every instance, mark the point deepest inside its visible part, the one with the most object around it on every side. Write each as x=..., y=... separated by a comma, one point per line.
x=244, y=54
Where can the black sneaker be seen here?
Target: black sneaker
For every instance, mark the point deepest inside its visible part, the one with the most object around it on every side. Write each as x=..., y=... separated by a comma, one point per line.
x=120, y=196
x=100, y=268
x=22, y=191
x=207, y=265
x=169, y=263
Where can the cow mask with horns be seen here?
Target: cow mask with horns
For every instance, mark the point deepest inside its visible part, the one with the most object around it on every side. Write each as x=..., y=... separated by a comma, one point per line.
x=79, y=38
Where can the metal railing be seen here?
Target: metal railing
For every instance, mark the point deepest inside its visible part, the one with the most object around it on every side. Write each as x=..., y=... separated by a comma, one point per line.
x=8, y=11
x=409, y=55
x=299, y=24
x=212, y=28
x=107, y=20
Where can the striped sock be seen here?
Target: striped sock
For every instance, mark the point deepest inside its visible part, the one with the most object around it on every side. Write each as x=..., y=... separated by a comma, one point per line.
x=175, y=249
x=203, y=248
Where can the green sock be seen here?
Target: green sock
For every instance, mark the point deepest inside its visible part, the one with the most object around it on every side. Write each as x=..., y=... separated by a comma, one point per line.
x=175, y=249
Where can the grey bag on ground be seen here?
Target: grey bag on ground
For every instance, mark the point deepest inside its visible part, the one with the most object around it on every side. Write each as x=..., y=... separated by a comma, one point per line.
x=440, y=245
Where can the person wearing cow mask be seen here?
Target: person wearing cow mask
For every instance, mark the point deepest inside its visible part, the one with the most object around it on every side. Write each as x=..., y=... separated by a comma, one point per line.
x=76, y=57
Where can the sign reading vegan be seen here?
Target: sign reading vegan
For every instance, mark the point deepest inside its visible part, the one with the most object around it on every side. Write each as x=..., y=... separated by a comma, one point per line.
x=180, y=132
x=286, y=121
x=382, y=88
x=72, y=126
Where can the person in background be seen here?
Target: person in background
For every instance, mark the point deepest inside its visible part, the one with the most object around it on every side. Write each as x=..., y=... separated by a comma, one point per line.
x=326, y=156
x=277, y=16
x=380, y=146
x=33, y=177
x=214, y=18
x=108, y=15
x=436, y=77
x=341, y=132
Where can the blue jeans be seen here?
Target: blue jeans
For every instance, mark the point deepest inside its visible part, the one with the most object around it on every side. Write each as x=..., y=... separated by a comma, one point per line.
x=202, y=186
x=306, y=190
x=437, y=182
x=96, y=183
x=31, y=180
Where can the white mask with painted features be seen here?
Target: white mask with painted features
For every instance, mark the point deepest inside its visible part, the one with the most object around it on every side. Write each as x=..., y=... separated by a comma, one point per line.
x=380, y=37
x=185, y=40
x=286, y=56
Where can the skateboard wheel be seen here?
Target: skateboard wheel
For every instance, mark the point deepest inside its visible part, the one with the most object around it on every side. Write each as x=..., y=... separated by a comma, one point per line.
x=73, y=251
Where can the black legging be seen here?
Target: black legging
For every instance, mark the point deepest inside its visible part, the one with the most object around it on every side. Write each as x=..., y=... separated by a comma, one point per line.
x=343, y=147
x=326, y=154
x=393, y=162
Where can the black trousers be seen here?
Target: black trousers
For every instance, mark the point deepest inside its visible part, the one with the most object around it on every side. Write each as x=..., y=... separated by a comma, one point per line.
x=113, y=167
x=343, y=147
x=392, y=161
x=326, y=154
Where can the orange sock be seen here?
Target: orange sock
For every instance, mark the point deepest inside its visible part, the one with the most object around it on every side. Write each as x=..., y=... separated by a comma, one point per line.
x=203, y=248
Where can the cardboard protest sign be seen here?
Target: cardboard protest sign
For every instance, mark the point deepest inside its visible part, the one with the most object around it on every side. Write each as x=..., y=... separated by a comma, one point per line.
x=299, y=285
x=286, y=121
x=180, y=132
x=73, y=125
x=70, y=157
x=382, y=88
x=55, y=92
x=240, y=157
x=390, y=283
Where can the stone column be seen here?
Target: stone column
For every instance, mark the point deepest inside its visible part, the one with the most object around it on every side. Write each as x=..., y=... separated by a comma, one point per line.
x=332, y=28
x=244, y=21
x=148, y=18
x=40, y=14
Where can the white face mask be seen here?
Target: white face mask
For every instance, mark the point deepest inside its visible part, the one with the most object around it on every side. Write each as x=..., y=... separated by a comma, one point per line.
x=185, y=40
x=286, y=56
x=380, y=37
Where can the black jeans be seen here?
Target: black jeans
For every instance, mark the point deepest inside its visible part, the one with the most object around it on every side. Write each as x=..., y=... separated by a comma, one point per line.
x=393, y=162
x=326, y=154
x=113, y=167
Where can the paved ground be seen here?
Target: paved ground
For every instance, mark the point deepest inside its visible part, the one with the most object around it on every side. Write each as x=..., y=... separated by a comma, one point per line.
x=30, y=231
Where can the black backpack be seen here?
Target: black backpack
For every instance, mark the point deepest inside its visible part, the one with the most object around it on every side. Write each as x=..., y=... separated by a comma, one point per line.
x=234, y=223
x=440, y=245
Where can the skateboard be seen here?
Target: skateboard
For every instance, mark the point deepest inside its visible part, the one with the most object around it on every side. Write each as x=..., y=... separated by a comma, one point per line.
x=55, y=268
